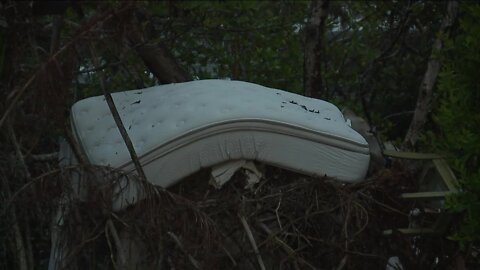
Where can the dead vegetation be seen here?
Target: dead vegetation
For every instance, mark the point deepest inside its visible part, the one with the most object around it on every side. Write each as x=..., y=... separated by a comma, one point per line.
x=287, y=221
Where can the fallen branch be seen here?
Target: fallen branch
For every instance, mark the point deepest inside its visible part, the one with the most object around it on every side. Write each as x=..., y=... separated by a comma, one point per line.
x=118, y=120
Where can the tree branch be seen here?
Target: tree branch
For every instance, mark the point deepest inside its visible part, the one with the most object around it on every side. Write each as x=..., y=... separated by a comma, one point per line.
x=118, y=120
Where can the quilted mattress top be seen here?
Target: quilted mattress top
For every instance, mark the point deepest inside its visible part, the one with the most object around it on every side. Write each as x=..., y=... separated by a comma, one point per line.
x=157, y=115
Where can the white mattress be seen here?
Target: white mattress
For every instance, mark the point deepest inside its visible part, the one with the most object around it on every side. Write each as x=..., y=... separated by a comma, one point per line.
x=177, y=129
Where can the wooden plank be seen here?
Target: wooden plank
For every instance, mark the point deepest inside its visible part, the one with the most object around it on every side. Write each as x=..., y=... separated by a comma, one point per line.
x=446, y=173
x=411, y=155
x=426, y=195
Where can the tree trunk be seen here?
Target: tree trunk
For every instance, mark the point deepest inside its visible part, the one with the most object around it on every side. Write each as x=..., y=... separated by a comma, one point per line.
x=425, y=94
x=314, y=30
x=162, y=64
x=157, y=58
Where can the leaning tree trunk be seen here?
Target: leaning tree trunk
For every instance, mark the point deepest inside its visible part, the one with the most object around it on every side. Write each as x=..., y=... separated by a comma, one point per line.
x=314, y=30
x=162, y=64
x=425, y=94
x=157, y=57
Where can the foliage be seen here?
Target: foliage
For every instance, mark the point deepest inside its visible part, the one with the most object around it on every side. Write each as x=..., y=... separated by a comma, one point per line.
x=458, y=116
x=256, y=41
x=377, y=51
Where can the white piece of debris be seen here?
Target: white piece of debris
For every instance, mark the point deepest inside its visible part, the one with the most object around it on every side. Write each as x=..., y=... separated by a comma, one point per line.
x=222, y=173
x=394, y=263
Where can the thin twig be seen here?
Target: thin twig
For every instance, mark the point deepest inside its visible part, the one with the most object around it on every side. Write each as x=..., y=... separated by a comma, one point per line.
x=384, y=205
x=18, y=150
x=289, y=250
x=19, y=245
x=23, y=243
x=28, y=244
x=252, y=242
x=343, y=262
x=112, y=258
x=179, y=244
x=276, y=212
x=230, y=256
x=366, y=221
x=118, y=244
x=45, y=157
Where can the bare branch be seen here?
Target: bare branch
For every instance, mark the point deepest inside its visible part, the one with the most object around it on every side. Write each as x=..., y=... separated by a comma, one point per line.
x=118, y=120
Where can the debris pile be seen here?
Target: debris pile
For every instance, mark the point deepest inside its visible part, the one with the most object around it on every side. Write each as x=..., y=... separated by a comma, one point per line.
x=286, y=221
